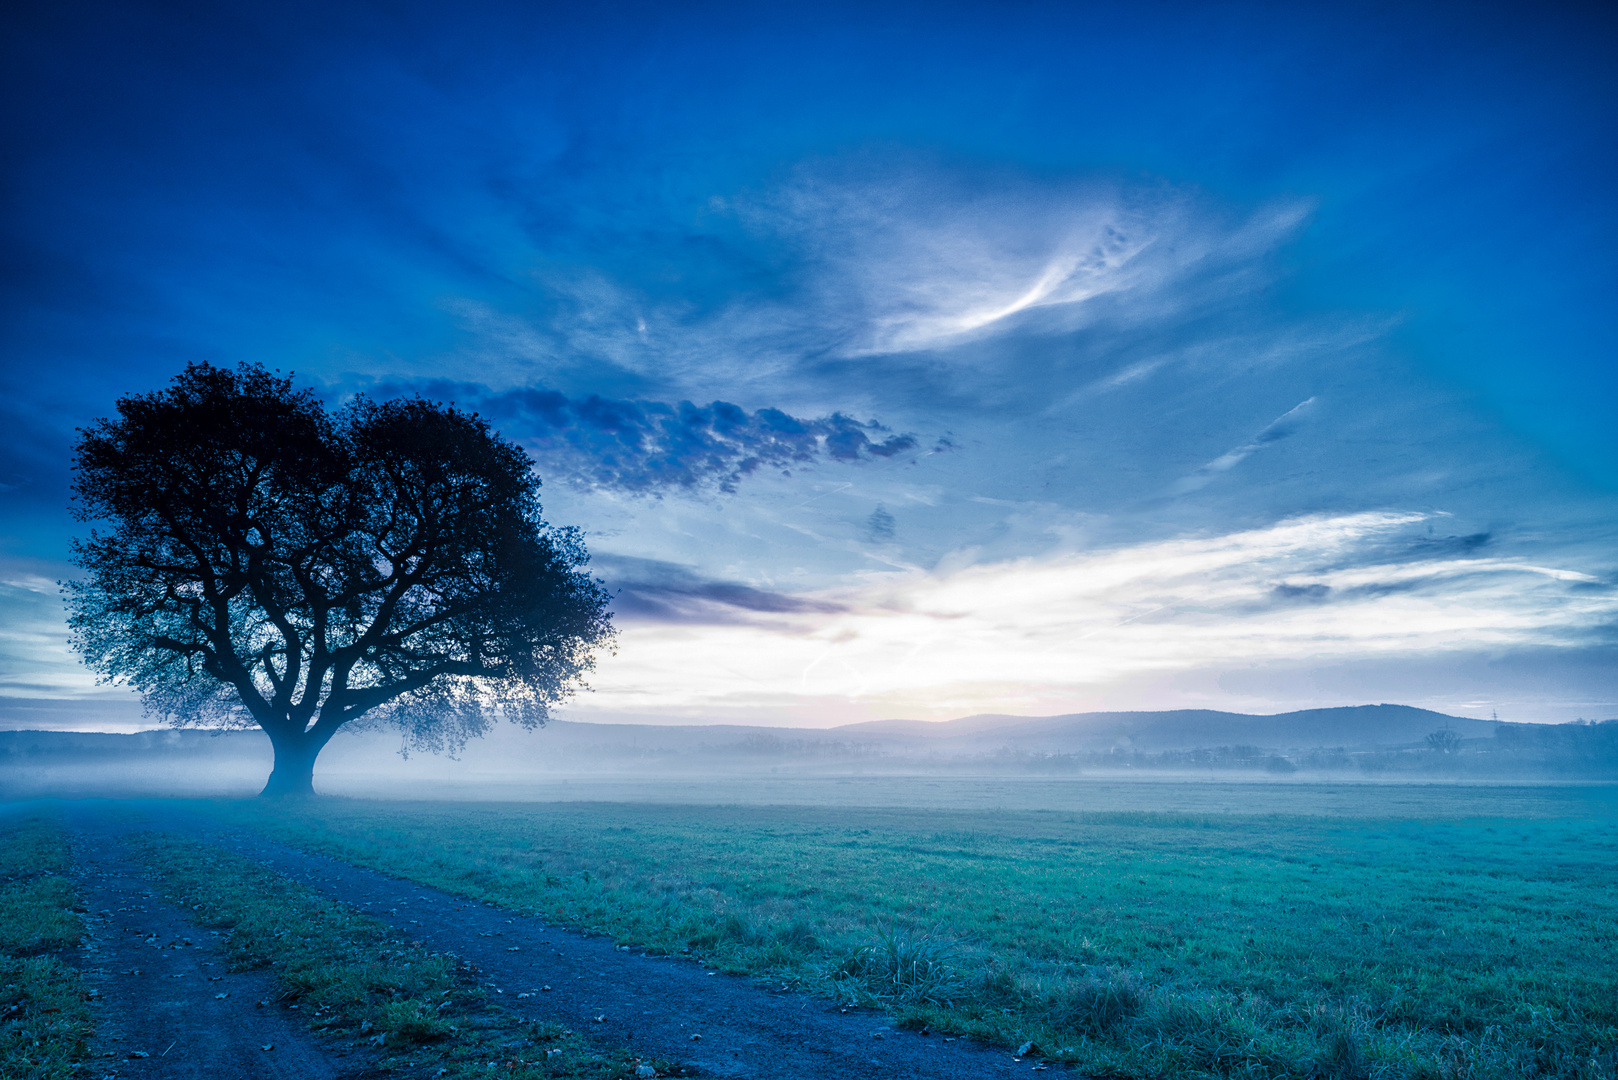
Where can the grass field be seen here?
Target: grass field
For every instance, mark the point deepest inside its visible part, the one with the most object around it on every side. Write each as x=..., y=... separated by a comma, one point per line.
x=1130, y=944
x=43, y=1019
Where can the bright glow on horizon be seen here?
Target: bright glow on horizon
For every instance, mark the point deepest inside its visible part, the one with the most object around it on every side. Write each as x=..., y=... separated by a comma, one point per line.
x=1049, y=632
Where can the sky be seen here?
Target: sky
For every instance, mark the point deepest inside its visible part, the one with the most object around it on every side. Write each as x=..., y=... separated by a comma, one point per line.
x=898, y=360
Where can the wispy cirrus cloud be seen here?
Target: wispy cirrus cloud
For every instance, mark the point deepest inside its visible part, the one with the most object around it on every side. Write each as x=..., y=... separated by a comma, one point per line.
x=869, y=257
x=1282, y=427
x=913, y=258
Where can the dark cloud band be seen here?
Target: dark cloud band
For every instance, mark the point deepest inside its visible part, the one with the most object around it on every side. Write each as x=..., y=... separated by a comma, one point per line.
x=649, y=590
x=650, y=446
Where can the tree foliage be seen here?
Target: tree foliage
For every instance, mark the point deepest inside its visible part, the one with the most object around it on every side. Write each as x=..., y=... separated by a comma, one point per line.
x=272, y=563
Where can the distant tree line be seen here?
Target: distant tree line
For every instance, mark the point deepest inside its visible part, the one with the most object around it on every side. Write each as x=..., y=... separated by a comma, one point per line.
x=1589, y=749
x=1583, y=750
x=1581, y=743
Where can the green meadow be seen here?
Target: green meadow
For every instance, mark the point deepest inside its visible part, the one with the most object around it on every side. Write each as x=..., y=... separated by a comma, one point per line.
x=43, y=1019
x=1125, y=943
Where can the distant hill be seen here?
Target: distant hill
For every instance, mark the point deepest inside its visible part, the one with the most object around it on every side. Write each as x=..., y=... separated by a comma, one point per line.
x=1351, y=727
x=18, y=747
x=1361, y=727
x=1357, y=727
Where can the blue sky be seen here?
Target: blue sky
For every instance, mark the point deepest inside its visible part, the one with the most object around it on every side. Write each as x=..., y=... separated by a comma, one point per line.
x=899, y=360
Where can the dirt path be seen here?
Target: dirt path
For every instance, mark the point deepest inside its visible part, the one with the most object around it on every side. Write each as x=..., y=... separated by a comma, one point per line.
x=166, y=1004
x=661, y=1007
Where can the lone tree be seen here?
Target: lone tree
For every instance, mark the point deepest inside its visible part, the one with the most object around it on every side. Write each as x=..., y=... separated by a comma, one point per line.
x=1446, y=740
x=272, y=563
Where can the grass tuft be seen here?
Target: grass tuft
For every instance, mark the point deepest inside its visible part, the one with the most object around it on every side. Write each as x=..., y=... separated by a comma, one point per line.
x=899, y=968
x=1099, y=1004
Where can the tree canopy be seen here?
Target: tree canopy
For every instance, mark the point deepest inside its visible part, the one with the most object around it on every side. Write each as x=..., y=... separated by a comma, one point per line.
x=270, y=562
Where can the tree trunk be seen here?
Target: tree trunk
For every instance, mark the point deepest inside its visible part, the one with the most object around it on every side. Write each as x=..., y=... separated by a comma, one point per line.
x=294, y=772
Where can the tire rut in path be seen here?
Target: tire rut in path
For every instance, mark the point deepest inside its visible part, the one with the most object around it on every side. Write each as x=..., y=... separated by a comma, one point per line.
x=658, y=1007
x=166, y=1005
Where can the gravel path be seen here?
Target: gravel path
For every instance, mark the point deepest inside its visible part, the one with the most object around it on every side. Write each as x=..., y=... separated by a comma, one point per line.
x=166, y=1004
x=658, y=1007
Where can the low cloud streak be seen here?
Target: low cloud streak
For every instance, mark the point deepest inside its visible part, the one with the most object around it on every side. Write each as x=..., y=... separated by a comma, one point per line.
x=653, y=591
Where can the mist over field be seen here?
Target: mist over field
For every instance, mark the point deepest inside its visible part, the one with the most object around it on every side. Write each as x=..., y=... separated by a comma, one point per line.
x=1047, y=758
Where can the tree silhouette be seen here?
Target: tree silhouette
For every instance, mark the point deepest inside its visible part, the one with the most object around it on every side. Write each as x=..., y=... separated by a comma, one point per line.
x=272, y=563
x=1445, y=740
